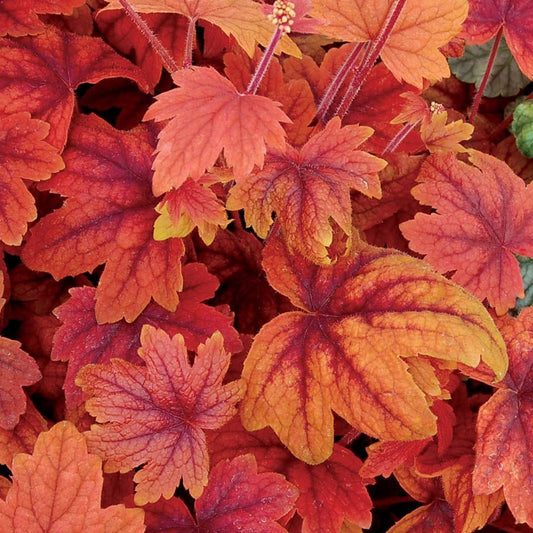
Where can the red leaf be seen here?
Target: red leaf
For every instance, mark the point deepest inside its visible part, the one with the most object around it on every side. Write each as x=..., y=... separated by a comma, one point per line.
x=436, y=517
x=24, y=155
x=17, y=369
x=308, y=188
x=108, y=218
x=486, y=17
x=58, y=488
x=484, y=215
x=504, y=449
x=217, y=117
x=330, y=493
x=155, y=415
x=237, y=498
x=39, y=74
x=81, y=340
x=343, y=351
x=20, y=17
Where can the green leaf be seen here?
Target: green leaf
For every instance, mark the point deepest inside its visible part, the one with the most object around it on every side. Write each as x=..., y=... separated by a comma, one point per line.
x=522, y=128
x=526, y=269
x=506, y=77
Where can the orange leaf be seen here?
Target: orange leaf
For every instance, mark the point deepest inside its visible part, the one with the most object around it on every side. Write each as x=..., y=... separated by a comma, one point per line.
x=438, y=515
x=309, y=187
x=343, y=351
x=504, y=449
x=155, y=415
x=208, y=114
x=486, y=17
x=192, y=205
x=108, y=218
x=39, y=74
x=24, y=155
x=242, y=19
x=441, y=137
x=412, y=49
x=20, y=17
x=484, y=215
x=58, y=488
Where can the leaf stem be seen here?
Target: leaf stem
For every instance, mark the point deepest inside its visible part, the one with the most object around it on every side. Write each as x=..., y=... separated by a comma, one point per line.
x=191, y=32
x=399, y=137
x=486, y=76
x=334, y=86
x=156, y=44
x=370, y=57
x=264, y=62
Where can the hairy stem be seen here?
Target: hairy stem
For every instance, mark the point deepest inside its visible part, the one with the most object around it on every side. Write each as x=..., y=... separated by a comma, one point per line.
x=191, y=32
x=486, y=76
x=264, y=62
x=399, y=137
x=155, y=43
x=349, y=65
x=370, y=57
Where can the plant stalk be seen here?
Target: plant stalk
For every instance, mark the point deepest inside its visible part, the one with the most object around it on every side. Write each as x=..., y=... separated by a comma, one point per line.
x=155, y=43
x=486, y=76
x=370, y=57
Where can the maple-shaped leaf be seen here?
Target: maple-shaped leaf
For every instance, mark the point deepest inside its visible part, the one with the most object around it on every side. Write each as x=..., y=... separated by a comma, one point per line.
x=18, y=18
x=17, y=369
x=39, y=75
x=484, y=214
x=191, y=205
x=208, y=114
x=237, y=498
x=504, y=448
x=487, y=17
x=330, y=493
x=155, y=415
x=437, y=516
x=344, y=349
x=438, y=136
x=411, y=52
x=81, y=340
x=108, y=217
x=24, y=155
x=58, y=488
x=242, y=19
x=309, y=187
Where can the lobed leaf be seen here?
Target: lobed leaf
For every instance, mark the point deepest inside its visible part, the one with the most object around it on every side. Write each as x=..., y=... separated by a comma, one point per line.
x=345, y=349
x=155, y=415
x=58, y=488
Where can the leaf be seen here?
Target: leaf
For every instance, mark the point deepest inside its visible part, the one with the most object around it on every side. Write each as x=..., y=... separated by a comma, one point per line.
x=23, y=436
x=504, y=449
x=344, y=349
x=522, y=128
x=439, y=514
x=330, y=493
x=81, y=340
x=412, y=49
x=155, y=415
x=309, y=187
x=483, y=215
x=526, y=269
x=20, y=17
x=506, y=78
x=58, y=488
x=17, y=370
x=39, y=75
x=108, y=218
x=24, y=155
x=486, y=17
x=192, y=205
x=237, y=498
x=242, y=19
x=438, y=136
x=217, y=117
